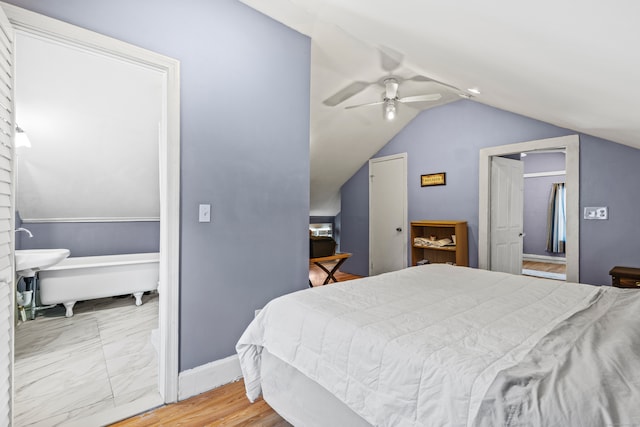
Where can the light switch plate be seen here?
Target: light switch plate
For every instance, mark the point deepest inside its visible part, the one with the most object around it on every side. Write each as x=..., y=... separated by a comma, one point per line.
x=601, y=212
x=204, y=213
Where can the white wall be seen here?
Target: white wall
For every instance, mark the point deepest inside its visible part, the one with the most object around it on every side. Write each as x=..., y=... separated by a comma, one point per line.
x=93, y=125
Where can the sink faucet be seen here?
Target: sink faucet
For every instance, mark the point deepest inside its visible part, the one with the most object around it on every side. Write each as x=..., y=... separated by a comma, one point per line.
x=25, y=230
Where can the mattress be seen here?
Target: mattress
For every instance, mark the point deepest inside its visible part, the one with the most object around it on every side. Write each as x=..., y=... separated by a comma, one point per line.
x=441, y=345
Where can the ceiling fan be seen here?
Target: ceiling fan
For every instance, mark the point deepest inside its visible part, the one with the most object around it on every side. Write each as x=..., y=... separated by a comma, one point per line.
x=390, y=61
x=391, y=99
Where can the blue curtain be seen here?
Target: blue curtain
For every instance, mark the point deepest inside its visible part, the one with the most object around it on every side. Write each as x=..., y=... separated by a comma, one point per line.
x=557, y=219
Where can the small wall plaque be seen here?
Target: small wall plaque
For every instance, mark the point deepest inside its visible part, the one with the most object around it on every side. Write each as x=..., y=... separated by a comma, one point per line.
x=433, y=179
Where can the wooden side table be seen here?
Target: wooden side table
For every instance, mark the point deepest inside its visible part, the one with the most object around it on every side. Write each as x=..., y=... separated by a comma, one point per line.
x=625, y=277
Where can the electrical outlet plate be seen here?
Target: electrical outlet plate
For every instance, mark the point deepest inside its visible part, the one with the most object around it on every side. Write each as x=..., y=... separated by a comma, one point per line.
x=601, y=212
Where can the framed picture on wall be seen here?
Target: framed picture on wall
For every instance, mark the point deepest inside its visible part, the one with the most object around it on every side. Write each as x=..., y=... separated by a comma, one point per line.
x=433, y=179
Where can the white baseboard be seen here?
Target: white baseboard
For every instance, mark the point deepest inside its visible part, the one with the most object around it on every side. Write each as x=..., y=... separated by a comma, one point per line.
x=207, y=377
x=544, y=258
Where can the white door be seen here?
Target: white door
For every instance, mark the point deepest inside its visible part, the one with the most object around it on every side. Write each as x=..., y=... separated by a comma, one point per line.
x=507, y=185
x=7, y=245
x=387, y=214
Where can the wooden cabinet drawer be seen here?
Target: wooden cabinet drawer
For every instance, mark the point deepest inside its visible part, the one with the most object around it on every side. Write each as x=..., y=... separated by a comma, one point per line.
x=625, y=277
x=626, y=282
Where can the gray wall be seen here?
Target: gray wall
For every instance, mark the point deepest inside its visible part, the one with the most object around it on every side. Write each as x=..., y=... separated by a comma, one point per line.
x=448, y=138
x=537, y=191
x=239, y=153
x=93, y=238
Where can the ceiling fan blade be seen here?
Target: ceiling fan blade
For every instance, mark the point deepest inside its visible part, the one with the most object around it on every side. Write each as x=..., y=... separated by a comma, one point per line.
x=420, y=78
x=346, y=93
x=364, y=105
x=420, y=98
x=389, y=58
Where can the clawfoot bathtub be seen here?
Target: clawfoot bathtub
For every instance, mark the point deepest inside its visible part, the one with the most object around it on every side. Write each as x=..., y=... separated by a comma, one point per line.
x=84, y=278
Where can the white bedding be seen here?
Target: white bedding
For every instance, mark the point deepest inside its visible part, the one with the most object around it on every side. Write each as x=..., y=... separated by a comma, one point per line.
x=418, y=347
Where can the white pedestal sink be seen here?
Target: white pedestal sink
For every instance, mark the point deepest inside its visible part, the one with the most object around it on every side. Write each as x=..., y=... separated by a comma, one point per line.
x=30, y=261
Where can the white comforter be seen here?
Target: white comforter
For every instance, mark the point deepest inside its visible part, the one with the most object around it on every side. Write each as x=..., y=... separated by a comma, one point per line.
x=418, y=347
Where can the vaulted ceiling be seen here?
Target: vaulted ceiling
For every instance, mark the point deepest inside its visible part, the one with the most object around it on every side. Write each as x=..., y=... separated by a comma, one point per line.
x=572, y=64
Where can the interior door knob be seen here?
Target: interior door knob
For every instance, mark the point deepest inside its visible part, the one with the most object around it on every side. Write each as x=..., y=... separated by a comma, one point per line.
x=399, y=229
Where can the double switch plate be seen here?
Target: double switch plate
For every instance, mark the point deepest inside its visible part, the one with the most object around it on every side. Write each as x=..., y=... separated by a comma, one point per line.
x=596, y=213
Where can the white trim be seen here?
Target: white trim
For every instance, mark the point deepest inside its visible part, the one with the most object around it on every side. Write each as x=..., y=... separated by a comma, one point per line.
x=40, y=25
x=405, y=221
x=207, y=377
x=572, y=145
x=105, y=219
x=544, y=258
x=541, y=174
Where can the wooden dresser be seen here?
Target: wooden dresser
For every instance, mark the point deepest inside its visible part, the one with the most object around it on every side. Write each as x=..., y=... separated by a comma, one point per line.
x=625, y=277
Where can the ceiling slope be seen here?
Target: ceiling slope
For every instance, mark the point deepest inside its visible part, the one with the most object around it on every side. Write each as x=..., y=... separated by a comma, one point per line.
x=571, y=64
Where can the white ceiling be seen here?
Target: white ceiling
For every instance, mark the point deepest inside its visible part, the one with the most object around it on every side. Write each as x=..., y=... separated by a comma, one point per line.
x=570, y=63
x=93, y=125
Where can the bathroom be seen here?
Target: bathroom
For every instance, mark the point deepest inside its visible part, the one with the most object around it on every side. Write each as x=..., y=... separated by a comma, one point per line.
x=89, y=183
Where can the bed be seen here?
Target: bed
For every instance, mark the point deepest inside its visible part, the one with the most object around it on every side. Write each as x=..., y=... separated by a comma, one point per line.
x=439, y=345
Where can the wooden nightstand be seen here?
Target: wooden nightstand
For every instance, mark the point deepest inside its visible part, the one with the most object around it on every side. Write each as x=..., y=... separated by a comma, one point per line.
x=625, y=277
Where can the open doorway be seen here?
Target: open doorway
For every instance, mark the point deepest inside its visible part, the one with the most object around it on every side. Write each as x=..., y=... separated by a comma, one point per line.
x=544, y=219
x=169, y=173
x=570, y=144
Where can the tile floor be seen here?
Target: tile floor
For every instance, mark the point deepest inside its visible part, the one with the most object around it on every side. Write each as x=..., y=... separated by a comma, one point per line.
x=99, y=359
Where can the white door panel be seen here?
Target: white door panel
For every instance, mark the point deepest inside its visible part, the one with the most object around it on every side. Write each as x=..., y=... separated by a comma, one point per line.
x=507, y=185
x=387, y=214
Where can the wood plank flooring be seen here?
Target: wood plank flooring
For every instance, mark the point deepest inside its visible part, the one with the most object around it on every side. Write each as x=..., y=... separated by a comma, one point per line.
x=224, y=406
x=545, y=266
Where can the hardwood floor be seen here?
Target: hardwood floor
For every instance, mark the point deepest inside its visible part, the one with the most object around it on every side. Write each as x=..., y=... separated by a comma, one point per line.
x=225, y=406
x=545, y=266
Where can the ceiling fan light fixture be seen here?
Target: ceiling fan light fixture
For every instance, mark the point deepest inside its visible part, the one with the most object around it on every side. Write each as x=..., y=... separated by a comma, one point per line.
x=390, y=109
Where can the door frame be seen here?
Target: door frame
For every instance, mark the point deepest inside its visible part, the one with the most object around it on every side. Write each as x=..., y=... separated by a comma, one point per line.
x=403, y=157
x=169, y=155
x=571, y=145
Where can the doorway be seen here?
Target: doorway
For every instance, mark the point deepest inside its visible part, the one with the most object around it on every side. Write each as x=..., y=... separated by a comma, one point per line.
x=571, y=146
x=387, y=214
x=169, y=153
x=544, y=214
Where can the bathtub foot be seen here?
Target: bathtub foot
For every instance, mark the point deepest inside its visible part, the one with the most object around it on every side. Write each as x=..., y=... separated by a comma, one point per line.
x=69, y=307
x=138, y=296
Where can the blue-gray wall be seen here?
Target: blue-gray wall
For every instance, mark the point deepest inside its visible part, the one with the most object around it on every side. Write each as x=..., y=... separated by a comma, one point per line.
x=448, y=138
x=537, y=192
x=244, y=147
x=93, y=238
